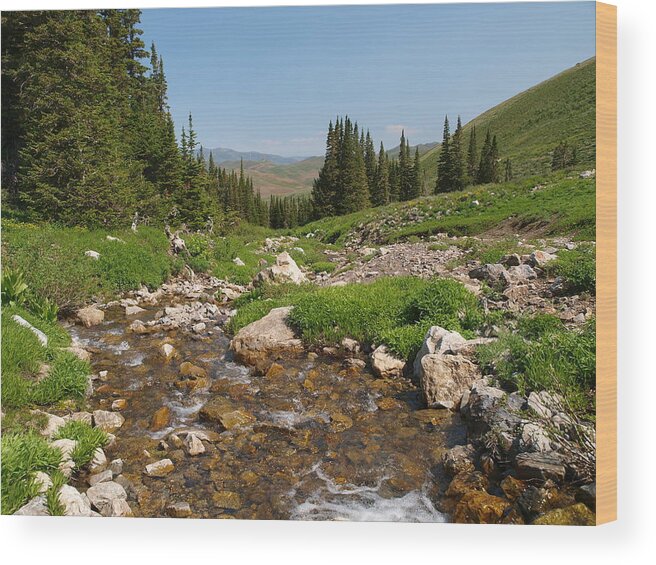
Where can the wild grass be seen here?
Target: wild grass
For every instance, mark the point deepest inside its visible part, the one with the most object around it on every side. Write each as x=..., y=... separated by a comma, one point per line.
x=54, y=266
x=578, y=267
x=22, y=456
x=392, y=311
x=542, y=354
x=22, y=357
x=88, y=440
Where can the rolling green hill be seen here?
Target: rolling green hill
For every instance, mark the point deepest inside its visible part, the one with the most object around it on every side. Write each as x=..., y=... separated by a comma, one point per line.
x=529, y=125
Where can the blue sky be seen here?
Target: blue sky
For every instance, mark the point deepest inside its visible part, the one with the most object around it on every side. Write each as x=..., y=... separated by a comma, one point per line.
x=270, y=79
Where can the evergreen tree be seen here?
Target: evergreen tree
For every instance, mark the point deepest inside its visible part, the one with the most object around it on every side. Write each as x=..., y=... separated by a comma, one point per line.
x=324, y=190
x=380, y=194
x=370, y=161
x=472, y=157
x=458, y=171
x=353, y=189
x=417, y=185
x=444, y=164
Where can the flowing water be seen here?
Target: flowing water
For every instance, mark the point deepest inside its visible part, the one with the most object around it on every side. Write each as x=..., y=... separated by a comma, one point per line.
x=328, y=442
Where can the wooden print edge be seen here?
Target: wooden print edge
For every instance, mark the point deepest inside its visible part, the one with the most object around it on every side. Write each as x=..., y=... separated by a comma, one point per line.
x=606, y=164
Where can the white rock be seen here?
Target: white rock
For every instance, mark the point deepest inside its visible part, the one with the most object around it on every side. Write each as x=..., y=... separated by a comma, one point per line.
x=116, y=466
x=193, y=445
x=43, y=338
x=133, y=310
x=35, y=507
x=90, y=316
x=107, y=421
x=93, y=254
x=198, y=328
x=102, y=477
x=53, y=424
x=160, y=468
x=386, y=365
x=167, y=351
x=43, y=481
x=237, y=261
x=74, y=503
x=85, y=417
x=104, y=497
x=350, y=345
x=285, y=270
x=117, y=239
x=99, y=461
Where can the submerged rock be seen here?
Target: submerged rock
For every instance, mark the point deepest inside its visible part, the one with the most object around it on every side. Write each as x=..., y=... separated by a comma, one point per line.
x=574, y=515
x=178, y=510
x=479, y=507
x=221, y=411
x=160, y=419
x=160, y=468
x=107, y=421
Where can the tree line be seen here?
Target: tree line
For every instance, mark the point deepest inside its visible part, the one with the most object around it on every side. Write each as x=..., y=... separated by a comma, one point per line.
x=354, y=177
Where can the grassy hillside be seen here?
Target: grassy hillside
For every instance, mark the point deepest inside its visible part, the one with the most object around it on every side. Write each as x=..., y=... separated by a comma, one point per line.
x=271, y=178
x=553, y=204
x=528, y=126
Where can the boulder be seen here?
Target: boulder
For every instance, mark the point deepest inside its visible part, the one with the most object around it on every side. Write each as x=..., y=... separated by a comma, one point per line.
x=160, y=419
x=53, y=423
x=222, y=412
x=79, y=352
x=540, y=258
x=459, y=459
x=465, y=482
x=160, y=468
x=103, y=477
x=439, y=341
x=350, y=345
x=284, y=271
x=43, y=481
x=167, y=351
x=588, y=495
x=237, y=261
x=511, y=260
x=119, y=404
x=479, y=507
x=74, y=503
x=522, y=273
x=35, y=507
x=534, y=438
x=540, y=466
x=574, y=515
x=98, y=462
x=133, y=310
x=178, y=510
x=385, y=365
x=492, y=273
x=193, y=446
x=444, y=379
x=109, y=498
x=116, y=466
x=268, y=335
x=92, y=254
x=90, y=316
x=107, y=421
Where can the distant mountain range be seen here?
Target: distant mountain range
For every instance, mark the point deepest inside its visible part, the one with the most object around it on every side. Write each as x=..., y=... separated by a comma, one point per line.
x=223, y=154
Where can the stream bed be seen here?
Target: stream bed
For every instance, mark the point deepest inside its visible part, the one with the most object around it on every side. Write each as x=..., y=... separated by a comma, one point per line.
x=322, y=442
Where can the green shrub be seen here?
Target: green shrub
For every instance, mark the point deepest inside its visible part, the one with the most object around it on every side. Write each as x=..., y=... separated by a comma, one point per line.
x=14, y=288
x=578, y=267
x=557, y=360
x=54, y=505
x=88, y=440
x=392, y=311
x=539, y=325
x=449, y=304
x=22, y=456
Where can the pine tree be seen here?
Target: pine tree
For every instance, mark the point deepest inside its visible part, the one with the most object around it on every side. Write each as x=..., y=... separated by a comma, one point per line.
x=324, y=190
x=370, y=161
x=458, y=172
x=353, y=190
x=472, y=157
x=380, y=194
x=444, y=164
x=417, y=186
